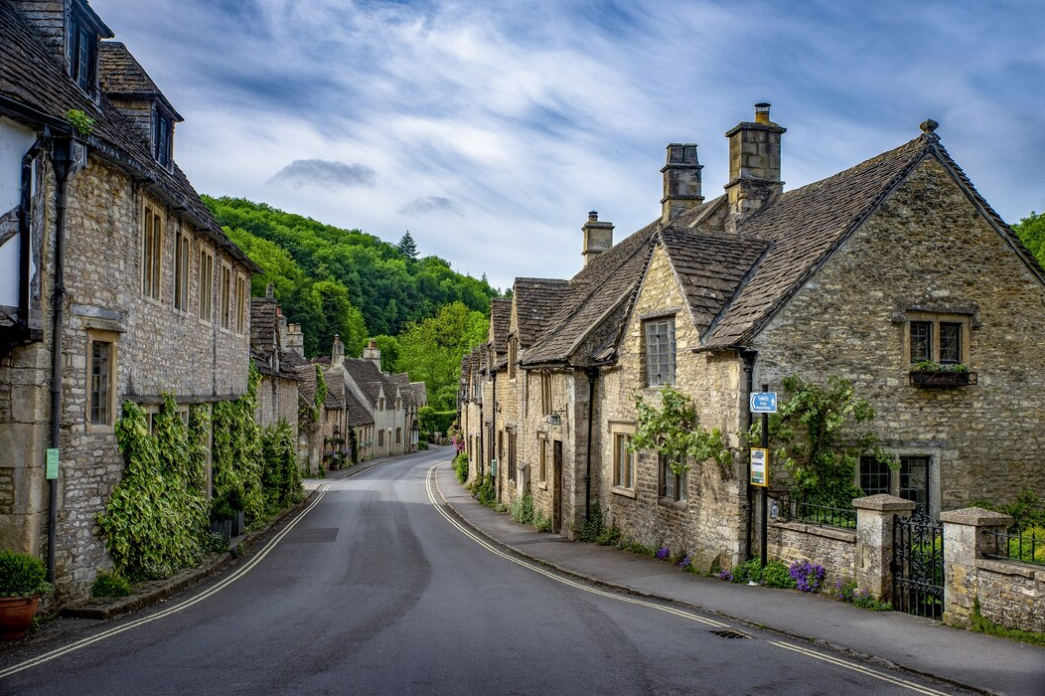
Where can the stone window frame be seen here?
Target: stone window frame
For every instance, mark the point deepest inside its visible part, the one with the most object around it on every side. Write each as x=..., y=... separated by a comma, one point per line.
x=547, y=397
x=936, y=320
x=513, y=446
x=152, y=240
x=182, y=265
x=659, y=380
x=513, y=356
x=111, y=338
x=620, y=433
x=678, y=495
x=542, y=461
x=933, y=484
x=225, y=306
x=83, y=60
x=206, y=285
x=162, y=136
x=399, y=436
x=242, y=283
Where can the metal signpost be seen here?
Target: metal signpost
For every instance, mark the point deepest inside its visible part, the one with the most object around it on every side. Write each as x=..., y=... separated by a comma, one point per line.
x=763, y=402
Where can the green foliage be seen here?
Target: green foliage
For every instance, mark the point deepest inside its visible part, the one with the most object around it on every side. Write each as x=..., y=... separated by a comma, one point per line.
x=390, y=289
x=847, y=592
x=83, y=123
x=636, y=547
x=155, y=520
x=609, y=537
x=673, y=431
x=777, y=574
x=594, y=526
x=819, y=435
x=22, y=575
x=321, y=390
x=431, y=350
x=237, y=454
x=461, y=467
x=749, y=571
x=1028, y=510
x=521, y=509
x=431, y=421
x=407, y=247
x=389, y=347
x=1030, y=548
x=281, y=477
x=542, y=523
x=981, y=624
x=484, y=491
x=1031, y=230
x=930, y=366
x=110, y=585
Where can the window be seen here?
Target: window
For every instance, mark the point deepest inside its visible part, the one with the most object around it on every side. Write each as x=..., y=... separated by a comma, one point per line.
x=513, y=350
x=672, y=485
x=914, y=481
x=241, y=304
x=226, y=297
x=911, y=481
x=875, y=476
x=511, y=455
x=399, y=436
x=102, y=355
x=152, y=253
x=938, y=338
x=623, y=462
x=82, y=52
x=546, y=393
x=181, y=272
x=542, y=469
x=380, y=438
x=163, y=138
x=206, y=285
x=660, y=352
x=381, y=404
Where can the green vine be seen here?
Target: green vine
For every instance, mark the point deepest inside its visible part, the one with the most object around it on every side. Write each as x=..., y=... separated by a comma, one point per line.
x=237, y=455
x=818, y=435
x=79, y=120
x=281, y=479
x=157, y=515
x=673, y=430
x=321, y=390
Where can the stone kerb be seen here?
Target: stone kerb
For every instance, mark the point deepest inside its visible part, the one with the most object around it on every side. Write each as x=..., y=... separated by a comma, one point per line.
x=964, y=540
x=874, y=542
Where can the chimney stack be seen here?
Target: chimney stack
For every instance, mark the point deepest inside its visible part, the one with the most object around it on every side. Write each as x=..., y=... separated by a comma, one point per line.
x=754, y=165
x=337, y=353
x=598, y=237
x=295, y=340
x=372, y=353
x=681, y=181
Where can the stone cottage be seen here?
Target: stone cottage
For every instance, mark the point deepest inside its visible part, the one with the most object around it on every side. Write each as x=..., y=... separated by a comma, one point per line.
x=894, y=274
x=117, y=283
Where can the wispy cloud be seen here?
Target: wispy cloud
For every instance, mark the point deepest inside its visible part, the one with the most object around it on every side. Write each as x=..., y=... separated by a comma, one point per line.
x=537, y=116
x=430, y=204
x=324, y=174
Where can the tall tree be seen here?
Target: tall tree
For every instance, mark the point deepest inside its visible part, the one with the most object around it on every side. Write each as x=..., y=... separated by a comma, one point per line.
x=407, y=246
x=431, y=350
x=1032, y=231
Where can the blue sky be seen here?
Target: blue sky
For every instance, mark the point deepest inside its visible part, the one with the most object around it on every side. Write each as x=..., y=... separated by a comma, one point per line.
x=489, y=129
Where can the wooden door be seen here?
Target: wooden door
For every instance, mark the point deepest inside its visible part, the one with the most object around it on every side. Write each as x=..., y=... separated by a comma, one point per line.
x=557, y=497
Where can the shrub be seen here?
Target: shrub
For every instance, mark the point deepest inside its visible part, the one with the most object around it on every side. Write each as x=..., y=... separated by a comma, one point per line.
x=807, y=576
x=22, y=575
x=847, y=592
x=609, y=537
x=522, y=509
x=749, y=571
x=485, y=492
x=542, y=523
x=1032, y=547
x=461, y=467
x=776, y=574
x=110, y=585
x=593, y=526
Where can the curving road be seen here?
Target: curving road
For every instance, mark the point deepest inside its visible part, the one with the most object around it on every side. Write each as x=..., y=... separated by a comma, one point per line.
x=376, y=590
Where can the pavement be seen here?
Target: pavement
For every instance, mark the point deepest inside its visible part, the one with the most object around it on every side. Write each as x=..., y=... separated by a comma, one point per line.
x=921, y=646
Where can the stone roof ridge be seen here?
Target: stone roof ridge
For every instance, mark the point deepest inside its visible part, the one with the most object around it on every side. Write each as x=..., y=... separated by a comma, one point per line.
x=748, y=275
x=119, y=72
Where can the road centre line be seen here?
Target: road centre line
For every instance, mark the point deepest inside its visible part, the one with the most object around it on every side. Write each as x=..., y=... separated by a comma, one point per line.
x=652, y=605
x=181, y=606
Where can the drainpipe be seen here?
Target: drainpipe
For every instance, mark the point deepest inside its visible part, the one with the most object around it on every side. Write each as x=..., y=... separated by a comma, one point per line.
x=592, y=374
x=482, y=443
x=61, y=157
x=749, y=368
x=493, y=437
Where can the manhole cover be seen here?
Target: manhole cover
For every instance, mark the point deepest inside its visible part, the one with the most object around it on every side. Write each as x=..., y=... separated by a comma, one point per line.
x=730, y=633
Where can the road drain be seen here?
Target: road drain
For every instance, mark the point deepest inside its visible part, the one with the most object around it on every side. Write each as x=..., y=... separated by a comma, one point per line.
x=730, y=633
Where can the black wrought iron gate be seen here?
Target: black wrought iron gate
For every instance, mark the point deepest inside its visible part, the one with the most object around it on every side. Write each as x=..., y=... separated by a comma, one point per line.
x=917, y=565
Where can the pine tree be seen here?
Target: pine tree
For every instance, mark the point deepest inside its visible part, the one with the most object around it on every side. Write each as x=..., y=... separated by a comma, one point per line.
x=407, y=246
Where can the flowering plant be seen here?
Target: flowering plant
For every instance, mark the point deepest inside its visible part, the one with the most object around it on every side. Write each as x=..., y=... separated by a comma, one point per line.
x=663, y=553
x=807, y=576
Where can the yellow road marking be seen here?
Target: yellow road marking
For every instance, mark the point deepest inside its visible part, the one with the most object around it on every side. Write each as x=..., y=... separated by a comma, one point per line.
x=651, y=605
x=181, y=606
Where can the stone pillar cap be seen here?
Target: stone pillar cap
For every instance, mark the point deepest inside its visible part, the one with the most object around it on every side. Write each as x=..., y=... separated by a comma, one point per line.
x=883, y=503
x=976, y=517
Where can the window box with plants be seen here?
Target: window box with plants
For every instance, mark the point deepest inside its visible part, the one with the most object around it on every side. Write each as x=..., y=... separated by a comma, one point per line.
x=933, y=375
x=22, y=583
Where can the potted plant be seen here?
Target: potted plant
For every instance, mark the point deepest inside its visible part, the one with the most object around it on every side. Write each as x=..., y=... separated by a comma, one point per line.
x=934, y=375
x=22, y=582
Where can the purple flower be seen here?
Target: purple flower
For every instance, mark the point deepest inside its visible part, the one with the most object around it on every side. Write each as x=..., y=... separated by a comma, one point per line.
x=684, y=563
x=663, y=553
x=726, y=576
x=807, y=576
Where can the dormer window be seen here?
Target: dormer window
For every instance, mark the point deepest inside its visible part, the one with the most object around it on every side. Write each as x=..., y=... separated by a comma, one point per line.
x=82, y=51
x=162, y=137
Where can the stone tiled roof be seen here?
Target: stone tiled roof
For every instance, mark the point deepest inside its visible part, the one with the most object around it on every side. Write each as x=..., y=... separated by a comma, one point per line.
x=263, y=327
x=369, y=378
x=335, y=389
x=419, y=392
x=121, y=74
x=34, y=83
x=537, y=300
x=358, y=415
x=500, y=322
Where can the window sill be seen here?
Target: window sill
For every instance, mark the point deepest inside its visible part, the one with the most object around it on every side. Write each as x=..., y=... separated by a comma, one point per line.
x=100, y=428
x=674, y=504
x=543, y=485
x=942, y=379
x=623, y=492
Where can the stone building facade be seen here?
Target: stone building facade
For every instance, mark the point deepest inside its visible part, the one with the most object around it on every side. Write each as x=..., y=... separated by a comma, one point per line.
x=123, y=286
x=894, y=274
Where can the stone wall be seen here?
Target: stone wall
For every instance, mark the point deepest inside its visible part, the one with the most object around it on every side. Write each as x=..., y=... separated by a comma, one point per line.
x=927, y=248
x=831, y=547
x=277, y=401
x=1012, y=594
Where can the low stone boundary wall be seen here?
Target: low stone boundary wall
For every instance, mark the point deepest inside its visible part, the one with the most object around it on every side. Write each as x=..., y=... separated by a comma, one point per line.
x=833, y=548
x=1012, y=594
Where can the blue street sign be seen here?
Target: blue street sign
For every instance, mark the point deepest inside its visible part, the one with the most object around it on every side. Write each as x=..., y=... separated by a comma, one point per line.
x=763, y=402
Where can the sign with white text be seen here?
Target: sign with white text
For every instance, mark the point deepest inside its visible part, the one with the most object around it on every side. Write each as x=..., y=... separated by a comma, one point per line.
x=763, y=402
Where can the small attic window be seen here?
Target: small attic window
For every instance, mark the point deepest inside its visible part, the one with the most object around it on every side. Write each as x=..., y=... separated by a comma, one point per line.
x=82, y=51
x=162, y=137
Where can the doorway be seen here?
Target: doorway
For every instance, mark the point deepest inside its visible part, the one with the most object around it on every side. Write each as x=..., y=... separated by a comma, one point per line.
x=558, y=495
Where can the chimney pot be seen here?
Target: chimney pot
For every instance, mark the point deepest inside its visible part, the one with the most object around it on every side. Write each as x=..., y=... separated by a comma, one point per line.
x=762, y=112
x=598, y=237
x=754, y=165
x=681, y=181
x=270, y=291
x=593, y=216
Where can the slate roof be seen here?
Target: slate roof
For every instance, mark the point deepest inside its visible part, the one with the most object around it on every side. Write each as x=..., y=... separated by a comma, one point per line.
x=122, y=75
x=500, y=321
x=335, y=388
x=358, y=415
x=264, y=340
x=34, y=83
x=369, y=378
x=420, y=393
x=537, y=300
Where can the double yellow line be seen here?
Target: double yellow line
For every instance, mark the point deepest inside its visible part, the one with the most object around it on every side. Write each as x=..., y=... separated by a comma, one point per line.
x=824, y=657
x=181, y=606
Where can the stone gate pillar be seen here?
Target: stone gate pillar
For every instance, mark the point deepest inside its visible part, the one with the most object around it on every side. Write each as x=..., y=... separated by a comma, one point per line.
x=964, y=541
x=874, y=542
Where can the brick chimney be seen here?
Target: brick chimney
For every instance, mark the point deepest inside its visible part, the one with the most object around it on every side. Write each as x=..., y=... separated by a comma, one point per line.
x=681, y=181
x=372, y=353
x=598, y=237
x=754, y=165
x=337, y=353
x=294, y=340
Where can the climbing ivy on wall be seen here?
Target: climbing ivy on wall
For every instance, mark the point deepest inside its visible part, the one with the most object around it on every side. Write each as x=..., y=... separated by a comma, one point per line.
x=673, y=430
x=155, y=520
x=281, y=479
x=236, y=454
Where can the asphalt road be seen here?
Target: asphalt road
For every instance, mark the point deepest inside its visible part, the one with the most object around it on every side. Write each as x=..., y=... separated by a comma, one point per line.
x=375, y=590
